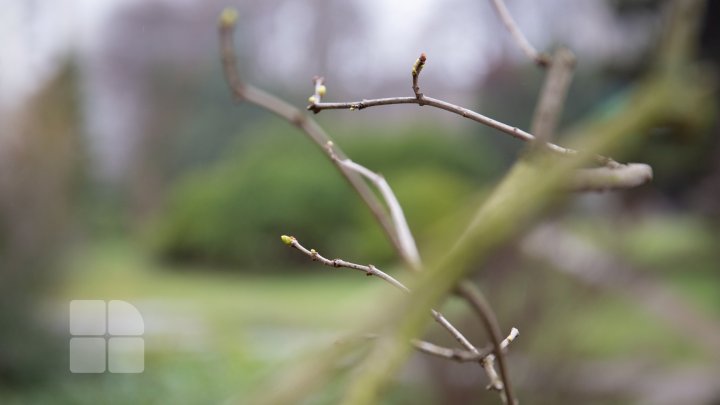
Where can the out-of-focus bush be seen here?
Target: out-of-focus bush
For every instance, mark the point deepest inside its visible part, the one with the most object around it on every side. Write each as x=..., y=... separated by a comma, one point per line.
x=41, y=170
x=234, y=211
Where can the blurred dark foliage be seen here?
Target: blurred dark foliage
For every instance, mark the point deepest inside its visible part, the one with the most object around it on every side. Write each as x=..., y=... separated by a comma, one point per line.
x=234, y=211
x=40, y=173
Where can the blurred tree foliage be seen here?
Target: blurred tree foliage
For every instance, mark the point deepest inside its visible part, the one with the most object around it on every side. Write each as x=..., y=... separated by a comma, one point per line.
x=233, y=212
x=40, y=168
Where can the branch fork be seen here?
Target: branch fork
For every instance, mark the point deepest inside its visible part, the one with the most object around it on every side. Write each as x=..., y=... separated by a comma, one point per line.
x=391, y=217
x=486, y=357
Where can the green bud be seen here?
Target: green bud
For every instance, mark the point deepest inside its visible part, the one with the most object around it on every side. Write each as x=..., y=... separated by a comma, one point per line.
x=228, y=18
x=288, y=240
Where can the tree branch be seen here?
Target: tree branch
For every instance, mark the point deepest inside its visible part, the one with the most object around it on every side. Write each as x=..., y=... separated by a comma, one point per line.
x=369, y=270
x=402, y=230
x=244, y=92
x=512, y=27
x=476, y=300
x=552, y=96
x=486, y=361
x=616, y=176
x=406, y=239
x=463, y=356
x=421, y=99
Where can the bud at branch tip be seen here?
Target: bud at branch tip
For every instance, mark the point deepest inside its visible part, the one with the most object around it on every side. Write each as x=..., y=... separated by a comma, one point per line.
x=228, y=18
x=288, y=240
x=419, y=63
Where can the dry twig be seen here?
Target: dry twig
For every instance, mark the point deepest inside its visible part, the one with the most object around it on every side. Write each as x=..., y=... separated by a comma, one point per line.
x=484, y=357
x=552, y=95
x=517, y=34
x=462, y=355
x=244, y=92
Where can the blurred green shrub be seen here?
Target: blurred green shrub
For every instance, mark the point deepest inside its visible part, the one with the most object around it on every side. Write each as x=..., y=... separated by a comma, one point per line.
x=234, y=211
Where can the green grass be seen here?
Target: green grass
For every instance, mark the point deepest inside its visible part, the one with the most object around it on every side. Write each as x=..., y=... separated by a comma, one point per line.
x=214, y=334
x=209, y=335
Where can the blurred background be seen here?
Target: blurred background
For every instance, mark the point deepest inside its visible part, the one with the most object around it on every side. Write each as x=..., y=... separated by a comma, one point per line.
x=127, y=172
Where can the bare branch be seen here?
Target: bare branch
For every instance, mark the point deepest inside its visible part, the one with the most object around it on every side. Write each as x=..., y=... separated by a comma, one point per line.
x=258, y=97
x=476, y=300
x=408, y=244
x=462, y=356
x=517, y=34
x=552, y=96
x=369, y=270
x=486, y=361
x=617, y=176
x=244, y=92
x=455, y=109
x=407, y=240
x=405, y=237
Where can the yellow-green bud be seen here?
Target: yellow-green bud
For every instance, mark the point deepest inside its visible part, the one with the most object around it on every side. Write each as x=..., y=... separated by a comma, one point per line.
x=419, y=63
x=288, y=240
x=228, y=17
x=312, y=99
x=321, y=90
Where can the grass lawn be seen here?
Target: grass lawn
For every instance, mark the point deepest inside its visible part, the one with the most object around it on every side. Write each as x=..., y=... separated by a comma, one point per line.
x=213, y=335
x=209, y=335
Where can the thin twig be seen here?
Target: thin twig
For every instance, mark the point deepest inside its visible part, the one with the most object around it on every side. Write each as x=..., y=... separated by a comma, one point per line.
x=485, y=361
x=396, y=212
x=475, y=298
x=552, y=96
x=369, y=270
x=244, y=92
x=407, y=241
x=456, y=109
x=517, y=34
x=462, y=356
